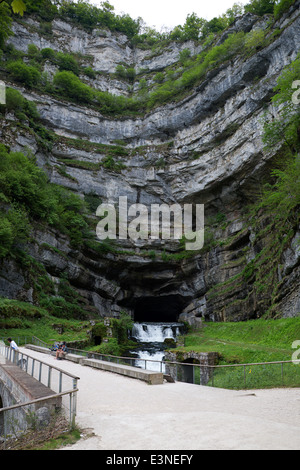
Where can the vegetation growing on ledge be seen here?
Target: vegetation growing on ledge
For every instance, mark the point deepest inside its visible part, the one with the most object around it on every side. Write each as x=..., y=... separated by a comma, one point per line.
x=274, y=217
x=174, y=85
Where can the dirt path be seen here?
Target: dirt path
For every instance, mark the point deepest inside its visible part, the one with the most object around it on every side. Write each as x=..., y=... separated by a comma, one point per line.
x=127, y=414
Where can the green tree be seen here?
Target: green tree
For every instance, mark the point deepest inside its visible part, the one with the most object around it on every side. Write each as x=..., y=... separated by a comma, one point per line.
x=282, y=6
x=5, y=23
x=215, y=25
x=232, y=13
x=193, y=27
x=260, y=7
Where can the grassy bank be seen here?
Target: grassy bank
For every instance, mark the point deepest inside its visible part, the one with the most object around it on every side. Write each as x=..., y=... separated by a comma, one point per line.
x=246, y=342
x=255, y=341
x=21, y=320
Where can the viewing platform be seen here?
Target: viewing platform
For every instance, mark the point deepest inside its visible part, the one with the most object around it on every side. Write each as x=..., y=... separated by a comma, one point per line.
x=150, y=377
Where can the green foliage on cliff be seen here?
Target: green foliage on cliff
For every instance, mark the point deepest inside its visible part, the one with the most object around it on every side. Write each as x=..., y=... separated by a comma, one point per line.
x=26, y=195
x=89, y=17
x=66, y=82
x=285, y=127
x=27, y=74
x=260, y=7
x=5, y=23
x=22, y=320
x=274, y=217
x=173, y=86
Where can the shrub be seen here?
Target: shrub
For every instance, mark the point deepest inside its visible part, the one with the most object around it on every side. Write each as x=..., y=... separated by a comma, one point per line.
x=120, y=71
x=6, y=236
x=159, y=77
x=43, y=8
x=26, y=74
x=89, y=16
x=14, y=100
x=67, y=62
x=90, y=72
x=33, y=51
x=254, y=40
x=48, y=53
x=71, y=86
x=184, y=55
x=121, y=326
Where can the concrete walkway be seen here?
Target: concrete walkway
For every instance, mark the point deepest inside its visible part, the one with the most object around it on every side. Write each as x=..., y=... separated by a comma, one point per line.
x=128, y=414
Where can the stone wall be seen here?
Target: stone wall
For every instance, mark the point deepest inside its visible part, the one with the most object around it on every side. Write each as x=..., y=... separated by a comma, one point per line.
x=16, y=386
x=185, y=364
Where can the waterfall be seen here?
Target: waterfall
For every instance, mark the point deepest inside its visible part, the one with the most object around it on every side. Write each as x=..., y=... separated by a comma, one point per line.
x=155, y=332
x=151, y=337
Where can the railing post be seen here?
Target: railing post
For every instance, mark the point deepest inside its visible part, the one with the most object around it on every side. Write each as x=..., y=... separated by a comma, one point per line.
x=60, y=382
x=74, y=408
x=49, y=376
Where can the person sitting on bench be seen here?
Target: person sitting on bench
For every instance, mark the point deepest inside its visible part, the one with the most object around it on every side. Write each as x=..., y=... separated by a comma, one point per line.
x=61, y=351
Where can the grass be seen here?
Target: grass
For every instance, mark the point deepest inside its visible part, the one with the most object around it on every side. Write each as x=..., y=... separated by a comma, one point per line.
x=246, y=342
x=253, y=341
x=68, y=438
x=57, y=435
x=21, y=321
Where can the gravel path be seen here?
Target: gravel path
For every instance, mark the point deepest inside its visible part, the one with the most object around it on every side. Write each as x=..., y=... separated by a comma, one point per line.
x=128, y=414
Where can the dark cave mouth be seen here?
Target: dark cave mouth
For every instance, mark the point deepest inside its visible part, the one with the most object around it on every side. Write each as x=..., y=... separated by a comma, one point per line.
x=159, y=309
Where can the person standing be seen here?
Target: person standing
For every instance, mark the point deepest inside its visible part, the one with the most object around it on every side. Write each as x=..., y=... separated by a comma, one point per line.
x=13, y=344
x=15, y=349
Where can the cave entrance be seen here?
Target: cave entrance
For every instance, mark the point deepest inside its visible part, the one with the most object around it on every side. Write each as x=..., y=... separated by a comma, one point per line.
x=158, y=309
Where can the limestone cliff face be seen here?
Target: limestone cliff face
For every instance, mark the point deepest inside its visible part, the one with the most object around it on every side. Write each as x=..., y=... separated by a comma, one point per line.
x=204, y=149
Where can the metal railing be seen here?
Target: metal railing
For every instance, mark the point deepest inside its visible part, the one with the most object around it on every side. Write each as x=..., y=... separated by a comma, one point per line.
x=50, y=376
x=232, y=376
x=64, y=384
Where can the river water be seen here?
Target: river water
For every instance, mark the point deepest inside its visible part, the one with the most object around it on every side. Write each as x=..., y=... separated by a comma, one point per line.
x=151, y=346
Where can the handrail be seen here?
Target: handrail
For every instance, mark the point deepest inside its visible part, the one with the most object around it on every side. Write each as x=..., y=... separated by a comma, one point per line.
x=44, y=363
x=179, y=363
x=22, y=360
x=83, y=352
x=38, y=400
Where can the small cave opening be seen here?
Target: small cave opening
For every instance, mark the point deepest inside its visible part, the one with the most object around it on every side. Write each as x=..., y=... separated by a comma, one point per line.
x=158, y=309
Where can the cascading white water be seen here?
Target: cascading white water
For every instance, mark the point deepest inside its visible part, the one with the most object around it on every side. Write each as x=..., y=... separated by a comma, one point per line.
x=155, y=332
x=152, y=337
